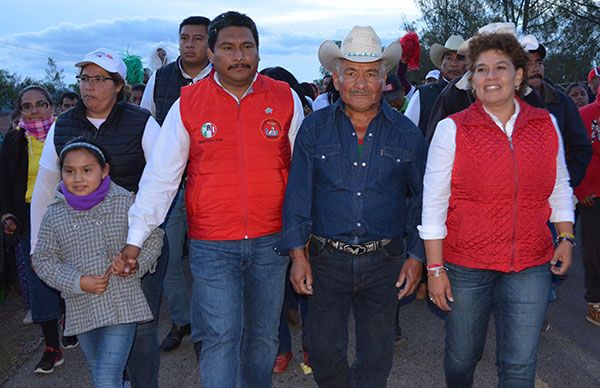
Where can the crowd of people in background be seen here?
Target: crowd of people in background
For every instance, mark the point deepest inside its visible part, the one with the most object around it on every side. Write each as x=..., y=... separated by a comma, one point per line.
x=296, y=202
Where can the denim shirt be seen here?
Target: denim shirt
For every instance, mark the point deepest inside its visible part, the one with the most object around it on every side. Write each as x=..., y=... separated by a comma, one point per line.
x=334, y=193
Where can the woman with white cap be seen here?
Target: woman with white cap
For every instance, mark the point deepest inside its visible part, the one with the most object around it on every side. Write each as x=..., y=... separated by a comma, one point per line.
x=127, y=132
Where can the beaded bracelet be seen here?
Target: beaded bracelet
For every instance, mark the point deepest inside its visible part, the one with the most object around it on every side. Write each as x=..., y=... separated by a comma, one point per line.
x=565, y=237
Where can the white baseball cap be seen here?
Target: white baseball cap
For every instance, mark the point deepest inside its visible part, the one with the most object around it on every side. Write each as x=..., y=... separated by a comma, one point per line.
x=106, y=60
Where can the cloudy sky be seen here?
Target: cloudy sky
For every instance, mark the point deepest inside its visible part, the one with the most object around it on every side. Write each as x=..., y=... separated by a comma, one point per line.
x=290, y=31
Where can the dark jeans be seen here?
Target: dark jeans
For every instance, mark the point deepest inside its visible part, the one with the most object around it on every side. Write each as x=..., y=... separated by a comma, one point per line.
x=366, y=284
x=291, y=301
x=590, y=239
x=518, y=301
x=144, y=360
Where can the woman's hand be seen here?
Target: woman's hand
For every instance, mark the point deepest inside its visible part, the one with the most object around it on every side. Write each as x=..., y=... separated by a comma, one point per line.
x=440, y=292
x=561, y=261
x=9, y=225
x=93, y=284
x=119, y=265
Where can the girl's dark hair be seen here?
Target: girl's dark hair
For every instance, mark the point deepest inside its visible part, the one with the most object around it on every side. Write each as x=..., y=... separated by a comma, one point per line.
x=85, y=145
x=280, y=74
x=39, y=88
x=505, y=43
x=332, y=93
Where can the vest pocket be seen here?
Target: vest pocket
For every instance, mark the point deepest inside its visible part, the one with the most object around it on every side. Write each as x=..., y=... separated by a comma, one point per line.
x=327, y=161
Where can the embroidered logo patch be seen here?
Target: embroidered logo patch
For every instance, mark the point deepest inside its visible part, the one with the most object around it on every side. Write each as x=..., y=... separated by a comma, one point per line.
x=208, y=130
x=271, y=129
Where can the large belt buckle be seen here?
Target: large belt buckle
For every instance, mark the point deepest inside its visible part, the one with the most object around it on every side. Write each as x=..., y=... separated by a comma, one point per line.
x=355, y=249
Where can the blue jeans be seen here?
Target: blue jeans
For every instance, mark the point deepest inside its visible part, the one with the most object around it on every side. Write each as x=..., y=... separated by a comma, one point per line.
x=292, y=301
x=106, y=350
x=45, y=301
x=144, y=361
x=237, y=294
x=175, y=286
x=518, y=301
x=367, y=284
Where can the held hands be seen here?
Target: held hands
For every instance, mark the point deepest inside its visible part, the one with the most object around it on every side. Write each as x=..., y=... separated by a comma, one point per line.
x=93, y=284
x=410, y=275
x=561, y=261
x=126, y=261
x=301, y=273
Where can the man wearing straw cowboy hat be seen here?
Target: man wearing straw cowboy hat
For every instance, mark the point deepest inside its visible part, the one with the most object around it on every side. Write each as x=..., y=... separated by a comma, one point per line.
x=354, y=193
x=451, y=65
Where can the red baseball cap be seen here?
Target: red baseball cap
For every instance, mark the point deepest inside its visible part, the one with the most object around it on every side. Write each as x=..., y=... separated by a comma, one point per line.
x=595, y=72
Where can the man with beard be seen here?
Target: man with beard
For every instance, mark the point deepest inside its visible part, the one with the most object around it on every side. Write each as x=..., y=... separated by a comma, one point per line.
x=234, y=130
x=451, y=65
x=162, y=91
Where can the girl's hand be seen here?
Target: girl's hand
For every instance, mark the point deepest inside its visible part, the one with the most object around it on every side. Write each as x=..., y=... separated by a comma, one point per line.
x=440, y=292
x=119, y=265
x=562, y=255
x=93, y=284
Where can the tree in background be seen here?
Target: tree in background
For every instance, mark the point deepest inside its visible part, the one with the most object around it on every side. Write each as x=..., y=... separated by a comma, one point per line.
x=570, y=29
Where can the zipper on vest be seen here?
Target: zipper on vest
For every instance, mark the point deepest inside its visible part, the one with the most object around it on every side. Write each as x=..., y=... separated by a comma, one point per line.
x=243, y=173
x=516, y=176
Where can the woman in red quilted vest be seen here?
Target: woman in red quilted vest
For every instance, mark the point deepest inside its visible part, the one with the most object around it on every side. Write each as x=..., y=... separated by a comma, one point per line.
x=495, y=176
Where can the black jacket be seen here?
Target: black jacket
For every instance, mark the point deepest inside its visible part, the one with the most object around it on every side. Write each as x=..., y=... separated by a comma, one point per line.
x=14, y=164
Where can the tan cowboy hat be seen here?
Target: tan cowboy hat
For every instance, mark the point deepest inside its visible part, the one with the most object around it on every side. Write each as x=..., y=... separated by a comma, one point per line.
x=437, y=51
x=360, y=45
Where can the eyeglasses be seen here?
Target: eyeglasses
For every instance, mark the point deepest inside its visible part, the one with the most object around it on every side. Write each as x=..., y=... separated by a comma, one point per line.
x=95, y=80
x=40, y=105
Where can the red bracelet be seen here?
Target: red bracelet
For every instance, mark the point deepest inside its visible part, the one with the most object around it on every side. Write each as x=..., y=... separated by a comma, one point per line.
x=432, y=267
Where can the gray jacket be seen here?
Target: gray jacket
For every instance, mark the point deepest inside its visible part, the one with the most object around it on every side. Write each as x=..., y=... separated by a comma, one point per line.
x=74, y=243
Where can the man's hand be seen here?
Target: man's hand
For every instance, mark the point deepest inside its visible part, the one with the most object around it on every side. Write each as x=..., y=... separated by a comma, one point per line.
x=9, y=225
x=129, y=256
x=301, y=274
x=118, y=266
x=94, y=284
x=588, y=200
x=411, y=275
x=440, y=291
x=562, y=255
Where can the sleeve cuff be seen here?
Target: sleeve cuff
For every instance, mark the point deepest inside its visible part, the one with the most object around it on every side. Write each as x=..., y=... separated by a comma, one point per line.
x=136, y=237
x=77, y=286
x=562, y=216
x=432, y=232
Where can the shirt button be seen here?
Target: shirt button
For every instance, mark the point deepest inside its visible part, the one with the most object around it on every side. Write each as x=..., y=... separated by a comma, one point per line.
x=353, y=133
x=364, y=164
x=358, y=194
x=245, y=237
x=397, y=160
x=370, y=134
x=355, y=163
x=358, y=224
x=322, y=156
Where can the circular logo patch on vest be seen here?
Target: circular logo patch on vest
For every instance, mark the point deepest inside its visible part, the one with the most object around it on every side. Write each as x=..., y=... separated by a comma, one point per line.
x=271, y=129
x=208, y=130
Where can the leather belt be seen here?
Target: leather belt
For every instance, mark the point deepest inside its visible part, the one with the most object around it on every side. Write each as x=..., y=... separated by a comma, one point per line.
x=354, y=249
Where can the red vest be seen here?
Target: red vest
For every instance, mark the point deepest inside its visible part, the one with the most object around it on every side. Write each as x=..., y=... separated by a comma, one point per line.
x=239, y=158
x=498, y=209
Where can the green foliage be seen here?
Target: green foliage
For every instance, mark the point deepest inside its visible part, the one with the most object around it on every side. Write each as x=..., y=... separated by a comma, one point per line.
x=570, y=29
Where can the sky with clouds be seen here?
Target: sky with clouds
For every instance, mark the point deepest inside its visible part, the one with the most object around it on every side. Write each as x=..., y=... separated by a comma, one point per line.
x=290, y=31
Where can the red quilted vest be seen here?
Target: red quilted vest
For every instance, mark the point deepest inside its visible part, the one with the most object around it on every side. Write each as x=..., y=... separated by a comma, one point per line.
x=498, y=206
x=239, y=158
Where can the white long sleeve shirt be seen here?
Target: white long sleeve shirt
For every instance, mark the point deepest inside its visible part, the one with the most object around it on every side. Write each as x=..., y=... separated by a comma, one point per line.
x=438, y=173
x=49, y=173
x=165, y=167
x=148, y=97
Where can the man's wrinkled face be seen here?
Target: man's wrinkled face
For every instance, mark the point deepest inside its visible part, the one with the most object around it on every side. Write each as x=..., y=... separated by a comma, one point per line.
x=535, y=70
x=453, y=65
x=360, y=84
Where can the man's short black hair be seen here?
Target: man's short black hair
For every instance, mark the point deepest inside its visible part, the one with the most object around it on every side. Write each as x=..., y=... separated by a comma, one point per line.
x=138, y=87
x=68, y=94
x=194, y=21
x=230, y=19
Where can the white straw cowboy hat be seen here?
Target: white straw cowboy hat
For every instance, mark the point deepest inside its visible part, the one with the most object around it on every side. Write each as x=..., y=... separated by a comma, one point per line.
x=437, y=51
x=360, y=45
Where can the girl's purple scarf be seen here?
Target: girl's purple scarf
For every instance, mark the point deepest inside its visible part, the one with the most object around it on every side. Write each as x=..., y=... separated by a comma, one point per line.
x=86, y=202
x=37, y=128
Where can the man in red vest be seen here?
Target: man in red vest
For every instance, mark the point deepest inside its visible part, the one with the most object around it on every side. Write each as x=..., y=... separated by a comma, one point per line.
x=234, y=130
